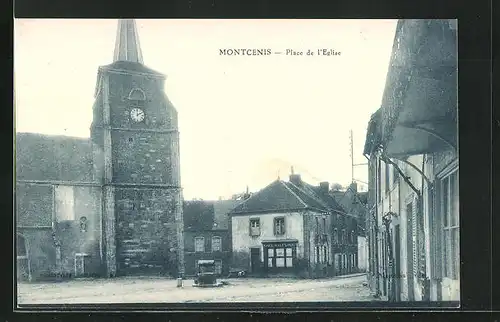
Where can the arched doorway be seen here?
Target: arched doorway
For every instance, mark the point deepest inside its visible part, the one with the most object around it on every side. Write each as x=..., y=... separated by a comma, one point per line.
x=23, y=260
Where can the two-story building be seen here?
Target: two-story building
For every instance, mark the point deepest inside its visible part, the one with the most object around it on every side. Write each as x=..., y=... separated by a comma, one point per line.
x=411, y=145
x=355, y=203
x=207, y=234
x=293, y=228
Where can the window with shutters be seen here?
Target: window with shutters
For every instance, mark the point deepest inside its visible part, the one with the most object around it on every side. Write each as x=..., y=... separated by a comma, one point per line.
x=254, y=227
x=412, y=213
x=199, y=244
x=449, y=201
x=335, y=235
x=414, y=239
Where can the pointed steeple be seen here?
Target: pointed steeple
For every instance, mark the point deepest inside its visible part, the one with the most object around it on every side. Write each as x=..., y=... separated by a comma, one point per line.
x=127, y=47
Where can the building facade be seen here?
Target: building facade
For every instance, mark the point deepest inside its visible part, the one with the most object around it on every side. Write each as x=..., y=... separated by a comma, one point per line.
x=207, y=234
x=109, y=205
x=293, y=228
x=355, y=203
x=411, y=144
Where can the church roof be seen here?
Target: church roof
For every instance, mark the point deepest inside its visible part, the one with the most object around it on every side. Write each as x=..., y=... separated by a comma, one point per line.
x=53, y=157
x=127, y=46
x=282, y=196
x=128, y=54
x=132, y=67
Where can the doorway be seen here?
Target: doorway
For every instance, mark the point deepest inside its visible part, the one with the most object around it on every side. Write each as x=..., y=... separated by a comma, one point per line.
x=23, y=261
x=254, y=259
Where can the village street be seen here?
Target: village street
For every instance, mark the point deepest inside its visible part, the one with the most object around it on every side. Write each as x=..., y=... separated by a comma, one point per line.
x=155, y=290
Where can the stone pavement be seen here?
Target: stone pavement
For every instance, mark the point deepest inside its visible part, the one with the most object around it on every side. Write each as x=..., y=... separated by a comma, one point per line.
x=157, y=290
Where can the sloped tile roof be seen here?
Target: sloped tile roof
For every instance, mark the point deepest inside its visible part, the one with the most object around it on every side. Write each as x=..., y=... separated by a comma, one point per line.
x=275, y=197
x=198, y=215
x=307, y=195
x=287, y=196
x=53, y=157
x=221, y=210
x=328, y=199
x=207, y=214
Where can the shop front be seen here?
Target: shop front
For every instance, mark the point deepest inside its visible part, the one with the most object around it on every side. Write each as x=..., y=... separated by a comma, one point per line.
x=280, y=256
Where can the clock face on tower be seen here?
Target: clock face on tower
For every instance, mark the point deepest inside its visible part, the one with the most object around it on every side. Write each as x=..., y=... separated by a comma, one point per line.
x=137, y=115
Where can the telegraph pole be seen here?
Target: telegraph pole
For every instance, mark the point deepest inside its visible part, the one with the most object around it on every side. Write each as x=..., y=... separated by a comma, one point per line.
x=351, y=143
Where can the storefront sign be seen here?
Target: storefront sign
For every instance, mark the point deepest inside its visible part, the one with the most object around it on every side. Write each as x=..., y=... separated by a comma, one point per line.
x=280, y=245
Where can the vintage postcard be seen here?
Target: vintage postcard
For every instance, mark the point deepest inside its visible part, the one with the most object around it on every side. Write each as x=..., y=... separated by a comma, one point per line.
x=250, y=161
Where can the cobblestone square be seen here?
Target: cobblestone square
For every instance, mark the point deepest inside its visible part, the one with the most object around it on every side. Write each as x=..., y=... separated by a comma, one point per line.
x=155, y=290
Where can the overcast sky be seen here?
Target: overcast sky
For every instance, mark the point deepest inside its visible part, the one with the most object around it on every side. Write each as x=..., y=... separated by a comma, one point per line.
x=243, y=120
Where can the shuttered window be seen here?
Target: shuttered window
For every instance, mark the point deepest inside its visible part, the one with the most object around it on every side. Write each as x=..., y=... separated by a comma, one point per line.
x=450, y=218
x=414, y=239
x=254, y=227
x=410, y=239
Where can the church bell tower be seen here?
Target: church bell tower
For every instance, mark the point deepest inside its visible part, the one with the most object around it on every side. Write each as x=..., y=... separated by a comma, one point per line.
x=136, y=159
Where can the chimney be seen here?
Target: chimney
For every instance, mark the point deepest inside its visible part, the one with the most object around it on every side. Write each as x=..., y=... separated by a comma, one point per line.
x=295, y=179
x=354, y=187
x=324, y=187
